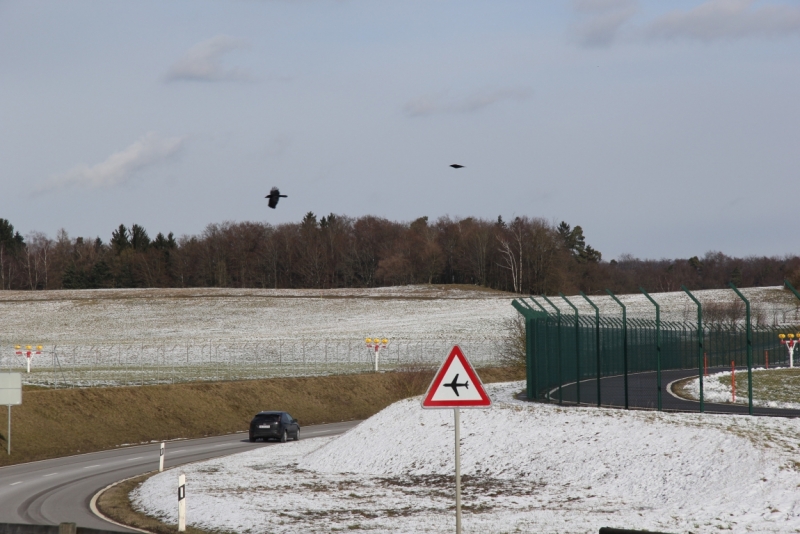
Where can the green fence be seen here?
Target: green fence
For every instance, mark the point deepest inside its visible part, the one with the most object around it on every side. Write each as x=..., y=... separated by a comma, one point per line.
x=628, y=362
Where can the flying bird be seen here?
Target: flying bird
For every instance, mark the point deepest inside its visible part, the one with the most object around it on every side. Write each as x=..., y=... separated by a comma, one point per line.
x=456, y=166
x=274, y=196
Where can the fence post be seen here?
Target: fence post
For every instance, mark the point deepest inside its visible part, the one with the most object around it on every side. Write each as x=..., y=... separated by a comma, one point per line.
x=624, y=343
x=596, y=341
x=658, y=346
x=546, y=357
x=558, y=330
x=577, y=351
x=749, y=349
x=700, y=350
x=791, y=288
x=530, y=364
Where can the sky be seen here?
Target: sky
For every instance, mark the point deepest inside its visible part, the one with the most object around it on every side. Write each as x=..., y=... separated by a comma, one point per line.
x=664, y=129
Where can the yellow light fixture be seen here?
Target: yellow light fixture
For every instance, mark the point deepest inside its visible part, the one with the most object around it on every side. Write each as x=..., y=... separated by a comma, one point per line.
x=38, y=347
x=385, y=341
x=17, y=347
x=790, y=336
x=782, y=336
x=368, y=340
x=27, y=347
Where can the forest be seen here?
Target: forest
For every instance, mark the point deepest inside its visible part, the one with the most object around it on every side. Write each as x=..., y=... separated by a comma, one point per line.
x=525, y=255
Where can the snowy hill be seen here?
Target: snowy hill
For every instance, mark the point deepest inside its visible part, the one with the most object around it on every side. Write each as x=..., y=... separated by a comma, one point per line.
x=527, y=468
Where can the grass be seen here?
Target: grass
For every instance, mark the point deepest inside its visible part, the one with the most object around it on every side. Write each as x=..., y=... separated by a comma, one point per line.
x=62, y=422
x=778, y=385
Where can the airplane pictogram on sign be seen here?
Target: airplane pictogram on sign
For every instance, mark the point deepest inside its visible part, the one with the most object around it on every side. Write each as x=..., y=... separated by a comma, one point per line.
x=456, y=385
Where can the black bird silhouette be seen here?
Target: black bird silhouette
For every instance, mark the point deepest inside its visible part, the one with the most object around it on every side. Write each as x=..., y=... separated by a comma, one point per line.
x=274, y=196
x=456, y=166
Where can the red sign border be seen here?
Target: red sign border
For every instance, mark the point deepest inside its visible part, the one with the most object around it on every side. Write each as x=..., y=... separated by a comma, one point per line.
x=429, y=403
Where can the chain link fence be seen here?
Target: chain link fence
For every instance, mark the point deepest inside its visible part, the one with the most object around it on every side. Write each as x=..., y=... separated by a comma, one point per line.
x=170, y=363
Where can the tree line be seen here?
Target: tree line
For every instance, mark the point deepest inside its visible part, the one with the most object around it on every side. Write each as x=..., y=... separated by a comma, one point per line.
x=523, y=255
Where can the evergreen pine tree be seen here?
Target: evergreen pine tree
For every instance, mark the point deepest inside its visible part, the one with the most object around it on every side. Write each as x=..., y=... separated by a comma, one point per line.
x=139, y=238
x=119, y=239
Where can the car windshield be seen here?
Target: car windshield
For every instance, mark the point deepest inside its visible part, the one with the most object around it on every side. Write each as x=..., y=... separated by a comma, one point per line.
x=269, y=417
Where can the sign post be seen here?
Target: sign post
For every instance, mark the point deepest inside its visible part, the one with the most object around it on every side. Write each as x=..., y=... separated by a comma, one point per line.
x=10, y=395
x=161, y=459
x=446, y=391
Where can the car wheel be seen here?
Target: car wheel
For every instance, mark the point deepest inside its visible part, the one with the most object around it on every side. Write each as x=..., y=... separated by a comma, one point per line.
x=284, y=437
x=252, y=439
x=297, y=435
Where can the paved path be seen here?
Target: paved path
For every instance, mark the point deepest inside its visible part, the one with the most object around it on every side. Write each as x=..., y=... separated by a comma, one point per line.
x=643, y=393
x=60, y=490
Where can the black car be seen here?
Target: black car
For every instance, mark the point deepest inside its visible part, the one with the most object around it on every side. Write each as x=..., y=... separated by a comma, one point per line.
x=277, y=425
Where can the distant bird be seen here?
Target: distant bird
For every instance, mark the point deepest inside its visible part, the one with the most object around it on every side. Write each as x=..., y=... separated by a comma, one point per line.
x=456, y=166
x=274, y=196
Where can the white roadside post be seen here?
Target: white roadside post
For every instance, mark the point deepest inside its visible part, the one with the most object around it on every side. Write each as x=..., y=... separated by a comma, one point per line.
x=161, y=458
x=444, y=392
x=182, y=503
x=10, y=395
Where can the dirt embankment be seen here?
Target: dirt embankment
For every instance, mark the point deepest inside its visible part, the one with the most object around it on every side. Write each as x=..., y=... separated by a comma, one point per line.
x=61, y=422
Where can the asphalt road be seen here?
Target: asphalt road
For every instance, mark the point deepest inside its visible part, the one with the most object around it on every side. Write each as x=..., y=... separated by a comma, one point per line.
x=643, y=393
x=60, y=490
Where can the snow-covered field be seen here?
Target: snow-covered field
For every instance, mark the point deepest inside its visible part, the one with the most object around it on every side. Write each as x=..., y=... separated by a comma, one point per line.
x=247, y=315
x=147, y=336
x=527, y=468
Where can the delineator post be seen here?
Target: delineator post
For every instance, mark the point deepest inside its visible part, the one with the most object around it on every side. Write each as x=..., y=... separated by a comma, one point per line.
x=182, y=503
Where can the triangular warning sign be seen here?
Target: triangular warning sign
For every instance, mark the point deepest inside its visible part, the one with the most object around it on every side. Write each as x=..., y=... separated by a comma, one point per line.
x=456, y=385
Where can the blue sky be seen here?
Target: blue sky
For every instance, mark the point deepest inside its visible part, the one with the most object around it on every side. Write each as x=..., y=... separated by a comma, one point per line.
x=665, y=129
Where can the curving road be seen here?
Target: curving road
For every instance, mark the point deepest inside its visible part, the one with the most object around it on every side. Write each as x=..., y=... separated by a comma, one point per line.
x=643, y=393
x=61, y=489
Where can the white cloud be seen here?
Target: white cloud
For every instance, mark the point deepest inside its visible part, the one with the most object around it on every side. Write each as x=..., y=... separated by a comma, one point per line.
x=432, y=104
x=727, y=19
x=203, y=62
x=120, y=166
x=602, y=20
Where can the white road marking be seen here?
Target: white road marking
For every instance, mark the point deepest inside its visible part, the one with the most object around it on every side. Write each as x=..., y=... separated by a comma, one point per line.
x=90, y=466
x=182, y=450
x=51, y=474
x=15, y=483
x=132, y=459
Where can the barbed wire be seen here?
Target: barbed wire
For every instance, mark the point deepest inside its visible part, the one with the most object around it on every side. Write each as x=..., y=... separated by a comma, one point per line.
x=139, y=364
